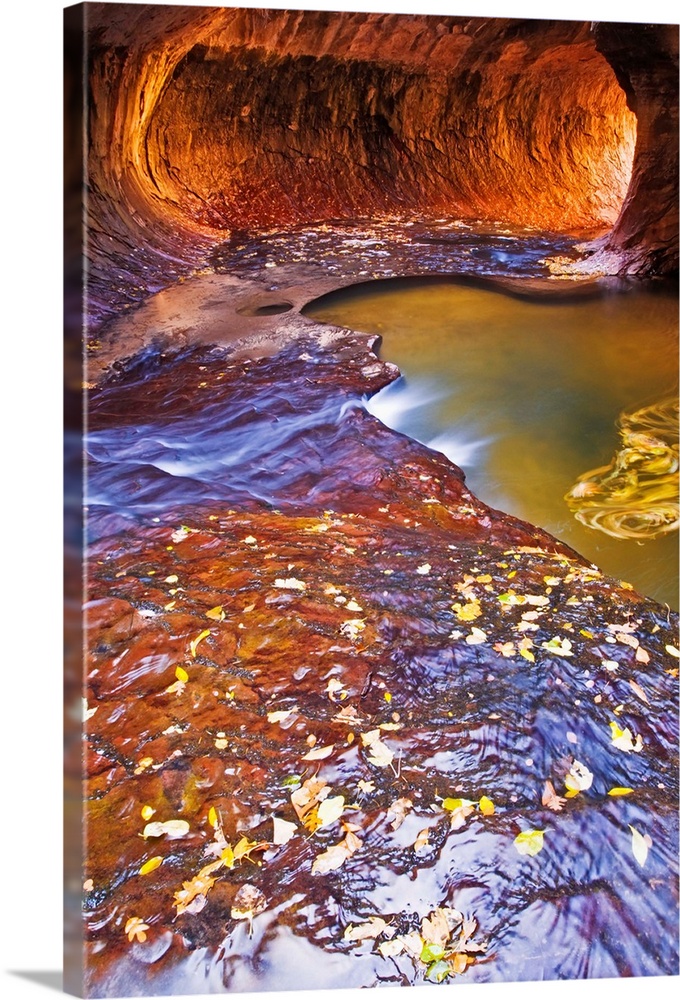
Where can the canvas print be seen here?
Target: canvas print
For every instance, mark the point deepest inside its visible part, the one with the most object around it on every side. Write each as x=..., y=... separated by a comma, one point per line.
x=371, y=499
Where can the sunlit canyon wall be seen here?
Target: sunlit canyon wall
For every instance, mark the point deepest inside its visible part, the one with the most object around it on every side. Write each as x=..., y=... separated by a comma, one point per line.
x=206, y=120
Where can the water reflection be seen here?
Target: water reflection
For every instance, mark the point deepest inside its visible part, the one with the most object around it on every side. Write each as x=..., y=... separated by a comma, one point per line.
x=525, y=394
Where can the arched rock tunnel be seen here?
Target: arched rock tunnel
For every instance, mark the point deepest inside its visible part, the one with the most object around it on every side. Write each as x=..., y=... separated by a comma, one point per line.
x=204, y=120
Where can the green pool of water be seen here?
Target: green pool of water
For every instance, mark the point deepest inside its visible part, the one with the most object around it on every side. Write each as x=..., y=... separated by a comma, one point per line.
x=526, y=395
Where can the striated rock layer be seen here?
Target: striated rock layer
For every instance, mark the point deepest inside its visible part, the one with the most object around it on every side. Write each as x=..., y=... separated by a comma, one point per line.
x=211, y=119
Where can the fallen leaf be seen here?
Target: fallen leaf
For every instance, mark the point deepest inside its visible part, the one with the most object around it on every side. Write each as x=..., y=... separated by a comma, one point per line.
x=673, y=650
x=639, y=844
x=199, y=638
x=217, y=613
x=353, y=606
x=467, y=612
x=460, y=962
x=505, y=648
x=641, y=655
x=435, y=929
x=398, y=810
x=365, y=786
x=620, y=791
x=529, y=842
x=248, y=902
x=380, y=755
x=579, y=778
x=551, y=799
x=476, y=636
x=438, y=971
x=639, y=692
x=290, y=583
x=372, y=929
x=181, y=674
x=560, y=647
x=136, y=928
x=311, y=792
x=147, y=812
x=486, y=806
x=280, y=716
x=151, y=865
x=319, y=753
x=422, y=841
x=335, y=690
x=352, y=627
x=390, y=949
x=623, y=739
x=460, y=809
x=424, y=569
x=192, y=897
x=330, y=810
x=336, y=856
x=283, y=831
x=174, y=829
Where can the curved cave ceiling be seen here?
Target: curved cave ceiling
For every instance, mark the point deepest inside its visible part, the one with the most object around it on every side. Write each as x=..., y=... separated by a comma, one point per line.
x=205, y=120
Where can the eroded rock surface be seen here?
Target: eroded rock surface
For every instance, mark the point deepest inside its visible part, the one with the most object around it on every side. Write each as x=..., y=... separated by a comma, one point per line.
x=329, y=615
x=212, y=119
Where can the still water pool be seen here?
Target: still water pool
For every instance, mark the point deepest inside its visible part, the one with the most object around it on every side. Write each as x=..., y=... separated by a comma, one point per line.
x=532, y=396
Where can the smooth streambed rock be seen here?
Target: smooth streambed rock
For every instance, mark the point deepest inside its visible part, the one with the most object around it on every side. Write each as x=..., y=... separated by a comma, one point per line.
x=337, y=586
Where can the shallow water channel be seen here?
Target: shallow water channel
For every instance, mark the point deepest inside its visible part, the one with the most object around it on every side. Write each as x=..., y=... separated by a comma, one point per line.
x=526, y=395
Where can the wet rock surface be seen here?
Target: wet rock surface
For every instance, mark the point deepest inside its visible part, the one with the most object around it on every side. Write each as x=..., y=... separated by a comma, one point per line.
x=337, y=618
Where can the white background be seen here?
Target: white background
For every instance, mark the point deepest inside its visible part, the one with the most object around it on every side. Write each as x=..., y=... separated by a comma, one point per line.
x=30, y=530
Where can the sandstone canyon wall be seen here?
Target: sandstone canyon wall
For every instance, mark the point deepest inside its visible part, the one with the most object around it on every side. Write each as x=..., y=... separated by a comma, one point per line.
x=207, y=120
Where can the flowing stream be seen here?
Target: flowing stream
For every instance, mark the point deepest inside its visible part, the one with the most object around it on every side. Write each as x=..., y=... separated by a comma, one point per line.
x=526, y=395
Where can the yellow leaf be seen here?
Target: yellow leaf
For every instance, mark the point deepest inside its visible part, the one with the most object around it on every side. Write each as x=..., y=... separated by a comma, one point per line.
x=467, y=612
x=486, y=806
x=199, y=638
x=212, y=816
x=217, y=613
x=528, y=655
x=181, y=674
x=151, y=865
x=227, y=857
x=529, y=842
x=171, y=579
x=451, y=804
x=620, y=791
x=147, y=813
